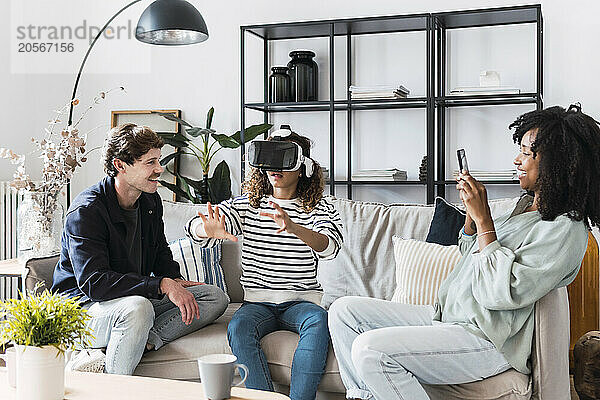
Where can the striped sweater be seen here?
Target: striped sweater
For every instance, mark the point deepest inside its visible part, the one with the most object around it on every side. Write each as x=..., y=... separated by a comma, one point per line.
x=277, y=267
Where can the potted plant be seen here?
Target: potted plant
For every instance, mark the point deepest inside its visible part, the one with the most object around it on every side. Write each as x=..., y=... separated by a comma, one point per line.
x=218, y=187
x=41, y=327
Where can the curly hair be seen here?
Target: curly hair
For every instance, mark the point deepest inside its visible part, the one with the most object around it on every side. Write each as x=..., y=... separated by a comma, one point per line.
x=128, y=142
x=309, y=190
x=569, y=142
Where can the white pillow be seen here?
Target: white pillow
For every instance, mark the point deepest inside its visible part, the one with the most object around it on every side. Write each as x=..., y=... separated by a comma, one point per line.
x=199, y=264
x=420, y=269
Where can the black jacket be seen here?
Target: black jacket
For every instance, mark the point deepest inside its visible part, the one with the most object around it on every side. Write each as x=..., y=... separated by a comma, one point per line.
x=94, y=263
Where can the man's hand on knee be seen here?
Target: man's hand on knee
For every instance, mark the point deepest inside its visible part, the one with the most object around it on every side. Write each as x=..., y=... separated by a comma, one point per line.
x=182, y=298
x=185, y=283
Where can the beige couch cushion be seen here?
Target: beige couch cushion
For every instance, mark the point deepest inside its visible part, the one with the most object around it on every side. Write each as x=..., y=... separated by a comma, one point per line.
x=509, y=385
x=177, y=360
x=421, y=268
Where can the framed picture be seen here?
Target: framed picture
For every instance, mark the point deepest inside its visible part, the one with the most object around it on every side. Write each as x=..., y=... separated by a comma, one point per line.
x=158, y=124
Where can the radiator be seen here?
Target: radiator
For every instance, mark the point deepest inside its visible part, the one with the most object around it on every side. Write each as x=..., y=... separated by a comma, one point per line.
x=9, y=201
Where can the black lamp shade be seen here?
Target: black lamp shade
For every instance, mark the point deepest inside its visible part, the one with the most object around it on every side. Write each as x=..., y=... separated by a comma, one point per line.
x=171, y=23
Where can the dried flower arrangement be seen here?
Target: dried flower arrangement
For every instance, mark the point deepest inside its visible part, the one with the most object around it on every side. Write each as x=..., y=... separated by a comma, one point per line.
x=61, y=151
x=60, y=157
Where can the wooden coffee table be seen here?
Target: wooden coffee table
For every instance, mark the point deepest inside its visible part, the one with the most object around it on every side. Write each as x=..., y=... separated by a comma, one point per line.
x=88, y=386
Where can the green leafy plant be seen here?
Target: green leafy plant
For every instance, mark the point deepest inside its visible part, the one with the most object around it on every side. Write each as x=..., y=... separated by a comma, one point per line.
x=218, y=187
x=44, y=319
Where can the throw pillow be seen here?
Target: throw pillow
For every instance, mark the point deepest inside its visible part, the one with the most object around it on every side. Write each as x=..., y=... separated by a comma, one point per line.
x=446, y=223
x=420, y=269
x=199, y=264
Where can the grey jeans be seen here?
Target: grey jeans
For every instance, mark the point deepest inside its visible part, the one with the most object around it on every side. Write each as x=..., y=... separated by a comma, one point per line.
x=126, y=324
x=385, y=350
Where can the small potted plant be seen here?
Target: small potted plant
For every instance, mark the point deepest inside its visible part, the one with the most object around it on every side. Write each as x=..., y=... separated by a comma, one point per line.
x=42, y=326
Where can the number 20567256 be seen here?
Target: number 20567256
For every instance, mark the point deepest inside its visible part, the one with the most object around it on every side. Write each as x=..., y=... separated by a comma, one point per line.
x=45, y=47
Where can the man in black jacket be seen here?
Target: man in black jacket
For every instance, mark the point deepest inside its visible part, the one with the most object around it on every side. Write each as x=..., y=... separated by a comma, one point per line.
x=115, y=258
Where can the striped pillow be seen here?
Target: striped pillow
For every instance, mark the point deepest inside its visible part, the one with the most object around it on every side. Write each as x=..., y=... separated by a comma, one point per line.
x=199, y=264
x=420, y=269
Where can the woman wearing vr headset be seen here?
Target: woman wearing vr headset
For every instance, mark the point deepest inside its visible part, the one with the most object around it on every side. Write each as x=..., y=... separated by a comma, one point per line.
x=287, y=226
x=483, y=319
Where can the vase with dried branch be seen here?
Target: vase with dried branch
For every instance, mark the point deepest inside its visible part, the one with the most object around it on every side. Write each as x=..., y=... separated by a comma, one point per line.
x=40, y=214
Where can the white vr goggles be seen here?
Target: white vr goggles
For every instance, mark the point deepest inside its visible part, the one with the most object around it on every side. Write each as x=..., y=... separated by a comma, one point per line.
x=278, y=154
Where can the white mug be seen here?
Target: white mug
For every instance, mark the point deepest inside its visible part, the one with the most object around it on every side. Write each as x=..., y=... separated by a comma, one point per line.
x=216, y=375
x=11, y=366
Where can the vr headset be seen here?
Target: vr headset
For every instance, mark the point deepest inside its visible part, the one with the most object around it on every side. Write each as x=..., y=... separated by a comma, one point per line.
x=278, y=154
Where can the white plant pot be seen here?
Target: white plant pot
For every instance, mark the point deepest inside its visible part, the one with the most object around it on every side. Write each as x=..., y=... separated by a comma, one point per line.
x=40, y=373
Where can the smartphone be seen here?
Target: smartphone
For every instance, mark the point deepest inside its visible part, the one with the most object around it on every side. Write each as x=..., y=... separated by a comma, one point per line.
x=462, y=160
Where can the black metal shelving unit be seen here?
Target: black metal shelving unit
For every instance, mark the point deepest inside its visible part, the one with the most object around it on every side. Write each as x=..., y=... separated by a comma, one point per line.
x=446, y=21
x=434, y=102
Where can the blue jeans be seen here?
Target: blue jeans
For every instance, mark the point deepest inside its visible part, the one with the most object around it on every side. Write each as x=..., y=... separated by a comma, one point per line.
x=386, y=350
x=125, y=325
x=255, y=320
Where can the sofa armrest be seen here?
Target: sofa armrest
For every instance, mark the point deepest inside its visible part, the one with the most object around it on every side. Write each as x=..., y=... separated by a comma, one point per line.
x=550, y=351
x=40, y=272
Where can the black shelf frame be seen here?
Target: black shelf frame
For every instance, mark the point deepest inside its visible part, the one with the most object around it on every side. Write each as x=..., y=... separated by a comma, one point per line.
x=434, y=102
x=446, y=21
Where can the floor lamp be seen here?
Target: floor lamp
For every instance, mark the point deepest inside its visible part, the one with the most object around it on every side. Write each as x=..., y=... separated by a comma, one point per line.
x=164, y=22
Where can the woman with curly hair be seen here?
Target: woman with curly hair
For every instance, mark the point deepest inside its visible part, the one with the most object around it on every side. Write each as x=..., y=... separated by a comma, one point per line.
x=482, y=322
x=287, y=226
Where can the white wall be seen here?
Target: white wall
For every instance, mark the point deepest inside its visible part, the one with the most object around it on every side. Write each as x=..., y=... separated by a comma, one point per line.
x=193, y=78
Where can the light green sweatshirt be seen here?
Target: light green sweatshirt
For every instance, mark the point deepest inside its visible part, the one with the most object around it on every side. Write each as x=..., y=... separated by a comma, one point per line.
x=492, y=293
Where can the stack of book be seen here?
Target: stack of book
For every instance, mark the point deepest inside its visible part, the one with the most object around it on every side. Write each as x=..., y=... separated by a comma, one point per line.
x=475, y=90
x=378, y=92
x=391, y=174
x=325, y=171
x=498, y=175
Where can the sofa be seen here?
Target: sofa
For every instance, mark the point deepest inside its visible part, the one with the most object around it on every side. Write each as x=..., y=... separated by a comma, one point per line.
x=364, y=267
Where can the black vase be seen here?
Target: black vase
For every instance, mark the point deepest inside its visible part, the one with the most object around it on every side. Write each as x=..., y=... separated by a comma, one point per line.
x=279, y=85
x=304, y=72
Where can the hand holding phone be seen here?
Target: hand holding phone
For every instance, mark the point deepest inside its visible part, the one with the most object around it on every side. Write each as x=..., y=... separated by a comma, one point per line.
x=462, y=161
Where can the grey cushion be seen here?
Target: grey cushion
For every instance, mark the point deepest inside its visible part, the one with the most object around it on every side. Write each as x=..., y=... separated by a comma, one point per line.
x=40, y=272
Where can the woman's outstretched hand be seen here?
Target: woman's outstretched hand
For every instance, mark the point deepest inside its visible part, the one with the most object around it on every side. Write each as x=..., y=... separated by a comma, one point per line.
x=214, y=224
x=281, y=218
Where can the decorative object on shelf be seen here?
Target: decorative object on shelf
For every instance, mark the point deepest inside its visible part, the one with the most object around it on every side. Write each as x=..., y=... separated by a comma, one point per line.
x=489, y=78
x=497, y=175
x=483, y=90
x=40, y=215
x=304, y=76
x=164, y=128
x=423, y=169
x=391, y=174
x=164, y=22
x=217, y=188
x=42, y=326
x=378, y=92
x=279, y=85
